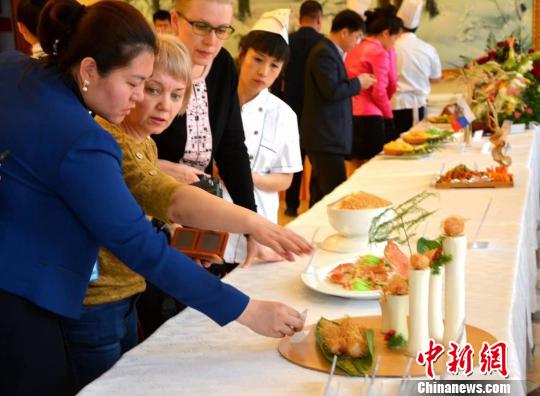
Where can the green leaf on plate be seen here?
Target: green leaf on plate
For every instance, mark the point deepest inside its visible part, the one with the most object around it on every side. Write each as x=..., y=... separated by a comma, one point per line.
x=363, y=365
x=439, y=262
x=397, y=341
x=358, y=284
x=370, y=259
x=425, y=245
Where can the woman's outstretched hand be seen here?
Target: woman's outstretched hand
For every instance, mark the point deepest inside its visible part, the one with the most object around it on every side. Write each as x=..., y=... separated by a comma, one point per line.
x=284, y=242
x=257, y=253
x=271, y=319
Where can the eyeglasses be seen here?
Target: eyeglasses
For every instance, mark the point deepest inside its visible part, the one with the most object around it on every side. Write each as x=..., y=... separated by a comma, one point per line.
x=201, y=28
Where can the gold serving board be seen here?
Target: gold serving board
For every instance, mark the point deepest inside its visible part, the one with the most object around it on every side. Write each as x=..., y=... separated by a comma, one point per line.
x=484, y=184
x=392, y=364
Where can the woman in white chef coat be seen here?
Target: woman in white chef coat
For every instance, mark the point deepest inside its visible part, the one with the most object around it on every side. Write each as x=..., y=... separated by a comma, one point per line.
x=270, y=125
x=418, y=65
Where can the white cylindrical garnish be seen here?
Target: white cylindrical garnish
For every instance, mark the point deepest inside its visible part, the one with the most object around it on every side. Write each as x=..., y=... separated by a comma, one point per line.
x=418, y=311
x=454, y=298
x=398, y=308
x=436, y=325
x=385, y=318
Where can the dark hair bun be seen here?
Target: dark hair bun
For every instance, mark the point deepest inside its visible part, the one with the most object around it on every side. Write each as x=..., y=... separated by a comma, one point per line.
x=57, y=22
x=369, y=15
x=111, y=32
x=386, y=12
x=382, y=18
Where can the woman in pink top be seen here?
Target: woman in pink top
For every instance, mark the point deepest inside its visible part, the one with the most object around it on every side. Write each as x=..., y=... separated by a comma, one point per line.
x=372, y=111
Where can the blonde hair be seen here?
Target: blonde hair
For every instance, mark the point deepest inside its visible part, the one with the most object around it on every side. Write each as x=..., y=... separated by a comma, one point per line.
x=183, y=5
x=174, y=59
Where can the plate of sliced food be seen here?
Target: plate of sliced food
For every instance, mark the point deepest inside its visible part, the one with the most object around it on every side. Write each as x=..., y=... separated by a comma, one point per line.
x=461, y=176
x=419, y=136
x=349, y=339
x=359, y=343
x=402, y=150
x=361, y=277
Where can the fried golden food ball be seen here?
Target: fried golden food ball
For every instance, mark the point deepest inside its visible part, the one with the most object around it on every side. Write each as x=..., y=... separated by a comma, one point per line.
x=355, y=338
x=454, y=226
x=331, y=334
x=419, y=262
x=397, y=286
x=347, y=337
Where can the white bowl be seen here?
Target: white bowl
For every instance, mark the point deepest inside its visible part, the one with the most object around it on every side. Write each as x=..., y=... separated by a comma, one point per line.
x=353, y=222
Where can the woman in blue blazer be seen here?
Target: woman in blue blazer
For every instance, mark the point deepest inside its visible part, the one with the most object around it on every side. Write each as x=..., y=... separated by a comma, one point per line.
x=62, y=194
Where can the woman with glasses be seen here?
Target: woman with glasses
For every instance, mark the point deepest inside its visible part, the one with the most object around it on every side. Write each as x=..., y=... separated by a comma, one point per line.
x=211, y=130
x=372, y=110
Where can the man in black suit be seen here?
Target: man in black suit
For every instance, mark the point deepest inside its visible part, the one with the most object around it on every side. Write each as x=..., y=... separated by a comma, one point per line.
x=300, y=43
x=326, y=124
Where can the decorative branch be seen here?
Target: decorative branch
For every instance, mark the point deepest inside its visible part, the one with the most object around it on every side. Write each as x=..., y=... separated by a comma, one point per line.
x=498, y=138
x=400, y=222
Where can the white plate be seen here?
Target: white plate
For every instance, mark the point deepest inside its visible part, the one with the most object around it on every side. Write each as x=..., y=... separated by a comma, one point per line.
x=405, y=157
x=317, y=280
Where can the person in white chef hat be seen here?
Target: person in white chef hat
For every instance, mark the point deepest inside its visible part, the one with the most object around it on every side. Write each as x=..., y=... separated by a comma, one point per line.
x=418, y=65
x=270, y=125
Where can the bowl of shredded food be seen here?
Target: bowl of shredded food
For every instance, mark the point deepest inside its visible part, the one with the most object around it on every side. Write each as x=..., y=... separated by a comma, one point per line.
x=352, y=214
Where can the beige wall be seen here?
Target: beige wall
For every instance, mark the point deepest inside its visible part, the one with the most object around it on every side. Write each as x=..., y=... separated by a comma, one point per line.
x=536, y=25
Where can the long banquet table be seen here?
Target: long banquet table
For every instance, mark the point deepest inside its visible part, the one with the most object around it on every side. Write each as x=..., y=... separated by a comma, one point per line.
x=191, y=355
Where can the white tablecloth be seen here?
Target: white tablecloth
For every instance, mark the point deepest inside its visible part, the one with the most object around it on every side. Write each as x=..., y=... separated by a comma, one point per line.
x=191, y=355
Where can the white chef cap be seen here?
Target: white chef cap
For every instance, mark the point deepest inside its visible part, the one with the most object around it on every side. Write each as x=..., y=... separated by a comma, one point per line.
x=410, y=12
x=276, y=21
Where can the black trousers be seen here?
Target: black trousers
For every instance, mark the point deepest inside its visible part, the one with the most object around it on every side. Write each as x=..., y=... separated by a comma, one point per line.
x=34, y=359
x=403, y=119
x=155, y=307
x=328, y=172
x=369, y=136
x=292, y=195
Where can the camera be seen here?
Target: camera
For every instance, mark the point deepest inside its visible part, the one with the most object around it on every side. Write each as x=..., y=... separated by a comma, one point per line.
x=210, y=184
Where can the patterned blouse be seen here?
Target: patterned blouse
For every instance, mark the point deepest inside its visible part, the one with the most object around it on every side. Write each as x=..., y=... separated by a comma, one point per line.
x=198, y=150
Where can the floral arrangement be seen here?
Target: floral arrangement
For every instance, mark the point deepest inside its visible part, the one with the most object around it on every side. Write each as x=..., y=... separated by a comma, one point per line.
x=508, y=77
